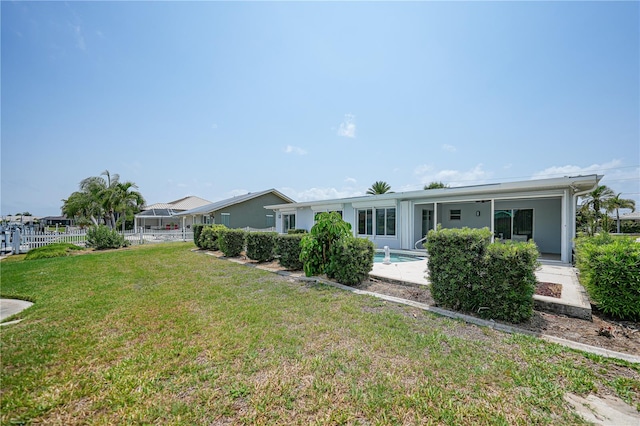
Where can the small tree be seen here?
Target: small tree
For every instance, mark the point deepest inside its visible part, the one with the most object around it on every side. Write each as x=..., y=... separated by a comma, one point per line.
x=436, y=185
x=616, y=203
x=316, y=246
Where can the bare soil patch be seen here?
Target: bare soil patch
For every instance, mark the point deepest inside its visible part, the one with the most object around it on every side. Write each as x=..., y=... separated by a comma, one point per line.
x=602, y=331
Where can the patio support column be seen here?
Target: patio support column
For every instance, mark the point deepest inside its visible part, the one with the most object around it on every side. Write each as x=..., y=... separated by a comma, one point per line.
x=493, y=209
x=565, y=234
x=435, y=215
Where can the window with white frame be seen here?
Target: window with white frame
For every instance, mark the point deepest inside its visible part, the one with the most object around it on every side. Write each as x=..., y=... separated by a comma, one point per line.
x=288, y=221
x=365, y=221
x=386, y=221
x=226, y=219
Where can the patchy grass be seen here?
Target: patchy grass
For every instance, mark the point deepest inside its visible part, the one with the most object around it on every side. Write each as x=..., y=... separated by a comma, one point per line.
x=161, y=334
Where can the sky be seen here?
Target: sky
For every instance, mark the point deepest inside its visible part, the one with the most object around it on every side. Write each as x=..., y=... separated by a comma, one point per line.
x=318, y=100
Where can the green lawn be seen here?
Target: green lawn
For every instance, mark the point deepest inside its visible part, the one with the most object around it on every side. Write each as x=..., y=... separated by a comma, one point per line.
x=161, y=334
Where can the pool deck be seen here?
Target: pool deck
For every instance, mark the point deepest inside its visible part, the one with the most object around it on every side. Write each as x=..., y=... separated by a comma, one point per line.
x=573, y=302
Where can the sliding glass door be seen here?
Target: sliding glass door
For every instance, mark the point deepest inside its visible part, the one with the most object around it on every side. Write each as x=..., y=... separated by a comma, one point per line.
x=514, y=224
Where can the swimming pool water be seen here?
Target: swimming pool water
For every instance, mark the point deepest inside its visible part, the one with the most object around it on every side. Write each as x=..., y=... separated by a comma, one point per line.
x=395, y=258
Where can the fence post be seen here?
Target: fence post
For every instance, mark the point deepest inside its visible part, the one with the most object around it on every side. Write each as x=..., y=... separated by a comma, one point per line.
x=15, y=242
x=140, y=231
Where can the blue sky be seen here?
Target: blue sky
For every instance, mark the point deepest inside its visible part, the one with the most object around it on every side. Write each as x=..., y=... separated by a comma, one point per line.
x=318, y=100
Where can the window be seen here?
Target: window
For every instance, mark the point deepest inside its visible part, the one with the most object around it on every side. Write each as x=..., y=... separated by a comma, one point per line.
x=455, y=214
x=386, y=221
x=270, y=221
x=226, y=219
x=365, y=222
x=288, y=222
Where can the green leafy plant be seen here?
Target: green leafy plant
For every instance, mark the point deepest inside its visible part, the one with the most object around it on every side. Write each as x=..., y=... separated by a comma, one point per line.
x=209, y=235
x=101, y=238
x=316, y=246
x=197, y=230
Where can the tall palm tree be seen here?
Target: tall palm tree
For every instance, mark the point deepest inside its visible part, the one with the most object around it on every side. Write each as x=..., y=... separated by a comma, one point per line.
x=379, y=187
x=596, y=201
x=616, y=203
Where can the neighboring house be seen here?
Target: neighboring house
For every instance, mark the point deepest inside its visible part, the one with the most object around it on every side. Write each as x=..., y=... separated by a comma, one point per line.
x=163, y=215
x=239, y=212
x=56, y=220
x=631, y=216
x=542, y=210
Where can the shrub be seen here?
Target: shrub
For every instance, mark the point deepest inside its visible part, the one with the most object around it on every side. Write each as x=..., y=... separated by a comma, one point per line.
x=197, y=229
x=297, y=231
x=261, y=246
x=231, y=241
x=316, y=246
x=101, y=238
x=469, y=274
x=351, y=260
x=610, y=272
x=454, y=256
x=209, y=237
x=507, y=290
x=52, y=250
x=288, y=251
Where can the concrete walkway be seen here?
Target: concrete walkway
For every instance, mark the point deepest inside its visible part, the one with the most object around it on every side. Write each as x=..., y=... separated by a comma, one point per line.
x=10, y=307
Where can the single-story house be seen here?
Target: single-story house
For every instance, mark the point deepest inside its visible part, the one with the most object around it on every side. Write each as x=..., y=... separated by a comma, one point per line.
x=239, y=212
x=541, y=210
x=162, y=215
x=631, y=216
x=56, y=220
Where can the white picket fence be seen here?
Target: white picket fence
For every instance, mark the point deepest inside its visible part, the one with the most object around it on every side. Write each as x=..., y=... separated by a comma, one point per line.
x=31, y=240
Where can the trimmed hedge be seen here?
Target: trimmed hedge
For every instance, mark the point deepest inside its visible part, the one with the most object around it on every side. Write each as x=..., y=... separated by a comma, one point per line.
x=351, y=260
x=261, y=246
x=297, y=231
x=470, y=274
x=197, y=229
x=231, y=241
x=288, y=251
x=610, y=272
x=209, y=236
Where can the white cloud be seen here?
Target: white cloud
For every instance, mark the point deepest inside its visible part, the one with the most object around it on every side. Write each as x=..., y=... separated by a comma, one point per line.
x=348, y=126
x=294, y=149
x=317, y=194
x=621, y=179
x=449, y=148
x=350, y=180
x=571, y=170
x=475, y=176
x=77, y=31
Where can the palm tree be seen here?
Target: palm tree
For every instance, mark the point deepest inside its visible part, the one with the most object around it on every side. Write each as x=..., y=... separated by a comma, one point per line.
x=616, y=203
x=436, y=185
x=126, y=200
x=101, y=198
x=595, y=201
x=379, y=187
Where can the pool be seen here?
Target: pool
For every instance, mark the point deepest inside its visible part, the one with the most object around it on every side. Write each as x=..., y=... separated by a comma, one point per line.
x=396, y=258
